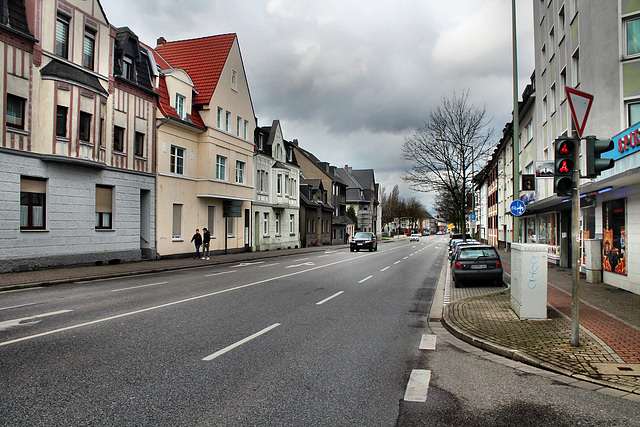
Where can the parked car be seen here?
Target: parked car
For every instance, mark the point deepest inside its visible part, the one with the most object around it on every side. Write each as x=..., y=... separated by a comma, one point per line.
x=363, y=240
x=426, y=233
x=414, y=237
x=477, y=263
x=460, y=243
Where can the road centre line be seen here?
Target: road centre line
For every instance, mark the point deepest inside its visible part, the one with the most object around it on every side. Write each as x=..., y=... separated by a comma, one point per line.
x=269, y=265
x=418, y=386
x=397, y=262
x=330, y=298
x=386, y=268
x=301, y=259
x=141, y=286
x=19, y=306
x=427, y=342
x=239, y=343
x=221, y=273
x=170, y=304
x=365, y=279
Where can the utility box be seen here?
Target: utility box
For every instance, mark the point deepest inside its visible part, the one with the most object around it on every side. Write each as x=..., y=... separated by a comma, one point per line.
x=529, y=280
x=593, y=260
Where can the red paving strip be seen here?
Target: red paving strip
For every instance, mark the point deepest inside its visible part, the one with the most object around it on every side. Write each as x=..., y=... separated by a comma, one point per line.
x=622, y=338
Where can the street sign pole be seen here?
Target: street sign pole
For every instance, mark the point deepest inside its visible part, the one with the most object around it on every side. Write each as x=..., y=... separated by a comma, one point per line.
x=575, y=246
x=580, y=105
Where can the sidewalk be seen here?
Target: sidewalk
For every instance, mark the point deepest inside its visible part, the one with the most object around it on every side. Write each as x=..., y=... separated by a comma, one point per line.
x=609, y=351
x=53, y=276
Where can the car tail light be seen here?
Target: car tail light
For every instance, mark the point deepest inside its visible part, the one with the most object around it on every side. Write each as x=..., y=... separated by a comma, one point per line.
x=458, y=266
x=498, y=264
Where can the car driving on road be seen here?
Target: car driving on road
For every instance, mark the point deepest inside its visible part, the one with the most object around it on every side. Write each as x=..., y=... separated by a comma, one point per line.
x=414, y=237
x=363, y=240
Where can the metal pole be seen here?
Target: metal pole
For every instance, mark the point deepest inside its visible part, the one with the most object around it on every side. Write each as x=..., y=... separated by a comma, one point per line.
x=575, y=247
x=516, y=123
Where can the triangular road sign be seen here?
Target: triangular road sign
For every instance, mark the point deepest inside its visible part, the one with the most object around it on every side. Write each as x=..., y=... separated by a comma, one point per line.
x=580, y=104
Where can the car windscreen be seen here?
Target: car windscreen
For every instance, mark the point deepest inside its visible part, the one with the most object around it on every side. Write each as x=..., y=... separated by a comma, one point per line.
x=475, y=253
x=362, y=236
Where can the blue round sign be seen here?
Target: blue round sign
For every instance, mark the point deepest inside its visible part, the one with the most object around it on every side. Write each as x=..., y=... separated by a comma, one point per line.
x=517, y=207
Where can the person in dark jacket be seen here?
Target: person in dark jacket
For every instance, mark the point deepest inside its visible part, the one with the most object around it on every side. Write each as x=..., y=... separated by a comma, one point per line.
x=206, y=239
x=197, y=240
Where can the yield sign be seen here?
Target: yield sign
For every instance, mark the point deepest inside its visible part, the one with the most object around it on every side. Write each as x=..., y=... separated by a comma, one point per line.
x=580, y=104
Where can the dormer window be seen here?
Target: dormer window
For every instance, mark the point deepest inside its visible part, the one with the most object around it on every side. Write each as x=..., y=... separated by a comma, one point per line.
x=127, y=67
x=180, y=100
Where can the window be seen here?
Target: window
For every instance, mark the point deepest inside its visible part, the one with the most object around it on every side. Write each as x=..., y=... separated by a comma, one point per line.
x=176, y=227
x=246, y=125
x=234, y=80
x=118, y=139
x=576, y=68
x=221, y=167
x=211, y=220
x=279, y=184
x=33, y=196
x=15, y=111
x=632, y=27
x=219, y=118
x=545, y=111
x=101, y=134
x=561, y=24
x=240, y=169
x=84, y=133
x=227, y=119
x=139, y=147
x=552, y=101
x=277, y=224
x=180, y=106
x=238, y=125
x=127, y=68
x=563, y=84
x=62, y=36
x=291, y=223
x=104, y=203
x=231, y=227
x=88, y=48
x=177, y=160
x=634, y=113
x=61, y=121
x=265, y=224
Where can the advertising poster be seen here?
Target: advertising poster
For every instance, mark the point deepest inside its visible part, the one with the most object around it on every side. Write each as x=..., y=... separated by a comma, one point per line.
x=613, y=237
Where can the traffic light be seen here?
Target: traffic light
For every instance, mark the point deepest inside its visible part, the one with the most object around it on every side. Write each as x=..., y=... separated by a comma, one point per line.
x=595, y=147
x=563, y=175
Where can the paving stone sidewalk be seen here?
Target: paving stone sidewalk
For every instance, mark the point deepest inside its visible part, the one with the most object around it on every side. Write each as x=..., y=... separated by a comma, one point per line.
x=609, y=351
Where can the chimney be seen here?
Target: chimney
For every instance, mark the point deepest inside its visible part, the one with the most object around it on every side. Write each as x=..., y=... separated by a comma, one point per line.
x=348, y=169
x=160, y=41
x=295, y=142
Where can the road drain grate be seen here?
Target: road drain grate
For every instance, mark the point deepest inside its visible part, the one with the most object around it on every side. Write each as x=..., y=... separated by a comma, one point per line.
x=630, y=369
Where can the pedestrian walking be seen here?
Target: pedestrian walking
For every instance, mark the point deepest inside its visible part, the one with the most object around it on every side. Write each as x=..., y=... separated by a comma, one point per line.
x=197, y=240
x=206, y=239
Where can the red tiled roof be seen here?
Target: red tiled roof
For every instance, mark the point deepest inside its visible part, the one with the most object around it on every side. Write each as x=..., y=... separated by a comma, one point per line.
x=202, y=58
x=168, y=111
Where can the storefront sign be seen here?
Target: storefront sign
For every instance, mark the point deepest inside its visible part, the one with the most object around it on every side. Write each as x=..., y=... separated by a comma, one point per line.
x=625, y=143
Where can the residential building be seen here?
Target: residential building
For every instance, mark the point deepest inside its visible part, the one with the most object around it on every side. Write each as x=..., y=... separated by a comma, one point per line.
x=316, y=214
x=362, y=194
x=276, y=203
x=77, y=154
x=312, y=168
x=205, y=124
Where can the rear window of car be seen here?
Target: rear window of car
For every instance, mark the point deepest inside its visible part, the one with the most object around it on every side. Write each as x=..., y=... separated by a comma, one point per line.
x=473, y=253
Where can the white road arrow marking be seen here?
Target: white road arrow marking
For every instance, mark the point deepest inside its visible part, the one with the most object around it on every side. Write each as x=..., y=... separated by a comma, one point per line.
x=300, y=265
x=28, y=321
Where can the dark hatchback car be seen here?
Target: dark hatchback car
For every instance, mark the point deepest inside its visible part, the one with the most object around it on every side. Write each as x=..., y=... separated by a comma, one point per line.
x=477, y=264
x=363, y=240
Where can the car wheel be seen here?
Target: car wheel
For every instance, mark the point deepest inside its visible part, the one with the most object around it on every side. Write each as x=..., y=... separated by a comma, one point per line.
x=370, y=248
x=351, y=249
x=376, y=248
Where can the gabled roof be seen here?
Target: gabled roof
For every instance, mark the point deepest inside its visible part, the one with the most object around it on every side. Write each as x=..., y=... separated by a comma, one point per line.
x=203, y=58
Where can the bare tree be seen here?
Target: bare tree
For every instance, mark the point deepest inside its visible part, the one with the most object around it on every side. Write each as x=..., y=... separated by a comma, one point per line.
x=444, y=151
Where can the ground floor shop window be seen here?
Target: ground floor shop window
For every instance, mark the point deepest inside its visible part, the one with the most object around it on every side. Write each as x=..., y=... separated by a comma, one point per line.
x=530, y=230
x=613, y=237
x=547, y=230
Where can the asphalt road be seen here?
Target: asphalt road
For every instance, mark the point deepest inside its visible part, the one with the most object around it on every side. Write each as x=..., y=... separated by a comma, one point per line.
x=325, y=339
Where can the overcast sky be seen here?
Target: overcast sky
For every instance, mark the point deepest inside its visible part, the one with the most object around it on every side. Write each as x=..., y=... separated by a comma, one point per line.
x=351, y=79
